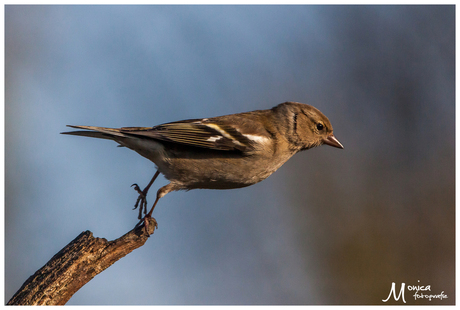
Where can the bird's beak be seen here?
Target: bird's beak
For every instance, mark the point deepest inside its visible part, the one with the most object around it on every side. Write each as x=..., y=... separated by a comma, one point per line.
x=332, y=141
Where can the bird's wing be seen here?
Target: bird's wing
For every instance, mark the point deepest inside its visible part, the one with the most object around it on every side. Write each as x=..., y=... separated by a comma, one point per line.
x=197, y=132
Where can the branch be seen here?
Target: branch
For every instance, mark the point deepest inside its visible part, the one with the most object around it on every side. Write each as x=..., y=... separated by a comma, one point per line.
x=75, y=265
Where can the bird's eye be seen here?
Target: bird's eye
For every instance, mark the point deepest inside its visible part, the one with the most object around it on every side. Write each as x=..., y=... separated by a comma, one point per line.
x=319, y=126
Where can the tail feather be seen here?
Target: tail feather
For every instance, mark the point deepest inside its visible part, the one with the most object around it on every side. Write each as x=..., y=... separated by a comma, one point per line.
x=95, y=132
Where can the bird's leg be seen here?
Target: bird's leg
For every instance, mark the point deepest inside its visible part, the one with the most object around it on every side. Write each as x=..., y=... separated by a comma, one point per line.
x=142, y=199
x=148, y=217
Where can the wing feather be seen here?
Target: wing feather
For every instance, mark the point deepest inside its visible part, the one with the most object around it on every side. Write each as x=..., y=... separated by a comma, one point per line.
x=196, y=133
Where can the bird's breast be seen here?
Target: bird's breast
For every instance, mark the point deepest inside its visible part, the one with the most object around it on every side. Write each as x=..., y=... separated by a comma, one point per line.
x=218, y=172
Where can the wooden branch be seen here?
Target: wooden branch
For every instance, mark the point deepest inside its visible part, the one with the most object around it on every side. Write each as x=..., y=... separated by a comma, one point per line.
x=75, y=265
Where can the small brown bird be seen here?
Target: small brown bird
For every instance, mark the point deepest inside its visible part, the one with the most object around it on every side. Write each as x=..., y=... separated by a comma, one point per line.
x=224, y=152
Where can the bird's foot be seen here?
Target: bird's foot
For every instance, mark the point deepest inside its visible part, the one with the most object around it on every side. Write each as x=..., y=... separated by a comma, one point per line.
x=141, y=201
x=150, y=223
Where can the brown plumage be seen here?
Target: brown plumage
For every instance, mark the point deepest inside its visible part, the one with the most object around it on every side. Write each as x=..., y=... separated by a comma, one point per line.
x=222, y=152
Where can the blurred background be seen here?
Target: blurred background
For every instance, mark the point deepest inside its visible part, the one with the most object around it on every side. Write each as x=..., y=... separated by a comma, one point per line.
x=330, y=227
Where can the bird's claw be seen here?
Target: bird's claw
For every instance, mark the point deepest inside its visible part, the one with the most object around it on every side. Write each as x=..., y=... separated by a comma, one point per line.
x=141, y=201
x=147, y=220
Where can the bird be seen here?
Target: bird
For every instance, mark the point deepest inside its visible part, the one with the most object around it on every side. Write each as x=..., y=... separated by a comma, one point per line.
x=224, y=152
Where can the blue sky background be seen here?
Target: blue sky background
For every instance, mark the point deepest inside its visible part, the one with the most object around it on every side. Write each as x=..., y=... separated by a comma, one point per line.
x=330, y=227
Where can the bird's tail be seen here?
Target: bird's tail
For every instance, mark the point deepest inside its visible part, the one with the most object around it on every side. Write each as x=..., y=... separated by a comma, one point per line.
x=95, y=132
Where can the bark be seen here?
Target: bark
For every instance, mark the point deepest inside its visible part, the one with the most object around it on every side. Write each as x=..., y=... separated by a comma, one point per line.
x=75, y=265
